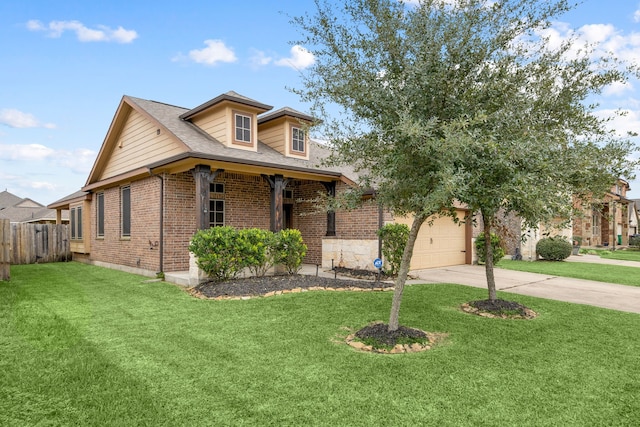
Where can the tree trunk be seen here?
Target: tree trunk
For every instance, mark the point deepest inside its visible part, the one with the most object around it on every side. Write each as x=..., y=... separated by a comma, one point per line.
x=488, y=265
x=404, y=271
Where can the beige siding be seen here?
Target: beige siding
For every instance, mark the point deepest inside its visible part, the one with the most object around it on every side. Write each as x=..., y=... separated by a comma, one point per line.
x=214, y=123
x=273, y=136
x=138, y=145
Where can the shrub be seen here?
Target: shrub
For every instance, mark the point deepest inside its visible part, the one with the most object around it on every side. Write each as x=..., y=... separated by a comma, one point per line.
x=498, y=251
x=553, y=248
x=218, y=251
x=634, y=240
x=289, y=250
x=394, y=239
x=257, y=250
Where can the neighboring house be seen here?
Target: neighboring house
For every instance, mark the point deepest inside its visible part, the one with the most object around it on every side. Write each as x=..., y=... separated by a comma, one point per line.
x=163, y=172
x=19, y=210
x=606, y=221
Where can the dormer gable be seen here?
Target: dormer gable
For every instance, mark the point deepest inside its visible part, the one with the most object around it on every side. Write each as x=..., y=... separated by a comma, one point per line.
x=231, y=119
x=285, y=130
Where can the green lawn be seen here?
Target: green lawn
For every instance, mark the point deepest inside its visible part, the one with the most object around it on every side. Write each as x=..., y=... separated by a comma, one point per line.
x=579, y=270
x=625, y=255
x=82, y=345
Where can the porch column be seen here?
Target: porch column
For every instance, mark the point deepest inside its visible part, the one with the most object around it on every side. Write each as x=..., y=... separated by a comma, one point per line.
x=331, y=215
x=203, y=177
x=277, y=183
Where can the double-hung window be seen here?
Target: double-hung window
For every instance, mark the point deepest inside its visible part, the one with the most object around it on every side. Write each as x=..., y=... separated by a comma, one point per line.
x=100, y=214
x=125, y=226
x=297, y=140
x=76, y=222
x=243, y=128
x=216, y=204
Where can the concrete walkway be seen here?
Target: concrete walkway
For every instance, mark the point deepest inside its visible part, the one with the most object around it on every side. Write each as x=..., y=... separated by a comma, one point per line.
x=599, y=294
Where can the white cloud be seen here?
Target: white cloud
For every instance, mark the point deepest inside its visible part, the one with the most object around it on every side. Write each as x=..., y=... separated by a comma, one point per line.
x=102, y=33
x=215, y=52
x=629, y=121
x=40, y=185
x=636, y=16
x=260, y=59
x=300, y=59
x=17, y=119
x=79, y=160
x=617, y=88
x=30, y=152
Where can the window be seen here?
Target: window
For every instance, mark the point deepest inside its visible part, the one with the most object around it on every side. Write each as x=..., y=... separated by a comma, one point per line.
x=100, y=214
x=216, y=213
x=125, y=193
x=287, y=194
x=297, y=140
x=216, y=187
x=76, y=223
x=243, y=128
x=595, y=223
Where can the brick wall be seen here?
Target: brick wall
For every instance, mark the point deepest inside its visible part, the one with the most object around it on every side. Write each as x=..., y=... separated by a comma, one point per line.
x=139, y=250
x=179, y=220
x=247, y=204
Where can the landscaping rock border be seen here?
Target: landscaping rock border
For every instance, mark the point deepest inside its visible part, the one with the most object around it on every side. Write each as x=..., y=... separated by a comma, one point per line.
x=528, y=313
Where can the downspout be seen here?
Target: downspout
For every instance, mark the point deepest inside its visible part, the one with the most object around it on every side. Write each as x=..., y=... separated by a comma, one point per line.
x=380, y=225
x=161, y=243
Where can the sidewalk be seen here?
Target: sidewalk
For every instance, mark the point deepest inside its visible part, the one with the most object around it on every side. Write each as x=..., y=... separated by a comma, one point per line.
x=599, y=294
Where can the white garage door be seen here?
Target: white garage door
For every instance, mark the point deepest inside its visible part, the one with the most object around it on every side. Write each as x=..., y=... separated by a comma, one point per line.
x=439, y=245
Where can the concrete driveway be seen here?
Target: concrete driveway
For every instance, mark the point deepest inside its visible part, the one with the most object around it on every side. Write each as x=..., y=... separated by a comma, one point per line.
x=599, y=294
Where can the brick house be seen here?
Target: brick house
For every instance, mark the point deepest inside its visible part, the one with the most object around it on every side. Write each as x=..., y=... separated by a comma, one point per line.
x=163, y=172
x=605, y=221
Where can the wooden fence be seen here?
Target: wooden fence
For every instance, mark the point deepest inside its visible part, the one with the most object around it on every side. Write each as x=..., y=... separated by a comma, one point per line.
x=5, y=249
x=37, y=243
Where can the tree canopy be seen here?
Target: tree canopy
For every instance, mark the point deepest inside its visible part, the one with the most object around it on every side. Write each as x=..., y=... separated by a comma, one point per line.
x=439, y=101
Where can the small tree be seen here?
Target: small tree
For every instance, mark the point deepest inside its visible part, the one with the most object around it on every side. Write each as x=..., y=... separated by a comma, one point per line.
x=394, y=239
x=441, y=100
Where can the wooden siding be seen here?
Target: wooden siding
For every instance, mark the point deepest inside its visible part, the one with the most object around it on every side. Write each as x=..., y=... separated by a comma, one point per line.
x=5, y=247
x=35, y=243
x=214, y=123
x=273, y=135
x=138, y=145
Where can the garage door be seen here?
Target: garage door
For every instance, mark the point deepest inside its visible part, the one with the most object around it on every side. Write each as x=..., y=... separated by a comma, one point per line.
x=439, y=245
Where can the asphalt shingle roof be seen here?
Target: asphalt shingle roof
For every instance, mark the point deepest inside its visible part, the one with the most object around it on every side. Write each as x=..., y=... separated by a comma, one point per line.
x=200, y=143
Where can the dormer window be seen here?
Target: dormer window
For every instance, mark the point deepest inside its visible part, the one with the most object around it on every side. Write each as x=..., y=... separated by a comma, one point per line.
x=242, y=128
x=297, y=140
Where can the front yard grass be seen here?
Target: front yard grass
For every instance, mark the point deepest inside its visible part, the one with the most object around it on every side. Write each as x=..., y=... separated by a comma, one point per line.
x=83, y=345
x=580, y=270
x=624, y=255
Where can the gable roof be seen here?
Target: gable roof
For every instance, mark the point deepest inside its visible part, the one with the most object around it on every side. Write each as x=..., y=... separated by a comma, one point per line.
x=17, y=209
x=229, y=96
x=200, y=146
x=7, y=199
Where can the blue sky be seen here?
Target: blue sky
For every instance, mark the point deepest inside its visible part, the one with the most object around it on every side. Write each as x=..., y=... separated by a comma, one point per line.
x=65, y=65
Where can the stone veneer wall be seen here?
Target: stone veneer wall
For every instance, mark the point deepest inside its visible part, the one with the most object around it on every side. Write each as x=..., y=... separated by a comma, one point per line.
x=350, y=253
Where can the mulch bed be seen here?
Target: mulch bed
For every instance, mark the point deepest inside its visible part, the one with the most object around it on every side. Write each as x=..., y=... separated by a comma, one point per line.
x=262, y=286
x=499, y=309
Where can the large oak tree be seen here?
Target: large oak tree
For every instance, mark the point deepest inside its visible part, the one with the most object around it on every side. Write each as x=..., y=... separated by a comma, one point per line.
x=436, y=101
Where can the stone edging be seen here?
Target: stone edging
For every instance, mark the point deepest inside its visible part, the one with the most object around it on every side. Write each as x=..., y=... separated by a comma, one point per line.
x=432, y=337
x=467, y=308
x=399, y=348
x=197, y=294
